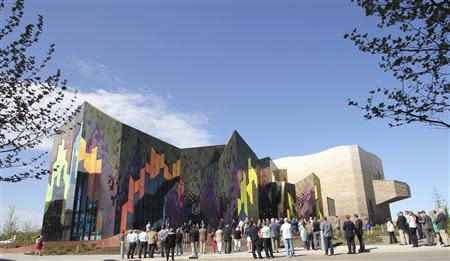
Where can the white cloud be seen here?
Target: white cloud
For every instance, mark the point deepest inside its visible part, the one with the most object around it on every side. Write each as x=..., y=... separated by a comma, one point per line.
x=149, y=113
x=93, y=70
x=140, y=108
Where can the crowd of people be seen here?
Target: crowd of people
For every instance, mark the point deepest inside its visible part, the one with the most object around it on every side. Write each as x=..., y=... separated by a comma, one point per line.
x=265, y=236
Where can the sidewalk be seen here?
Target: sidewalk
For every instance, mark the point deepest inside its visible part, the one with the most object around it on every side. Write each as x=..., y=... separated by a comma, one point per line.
x=375, y=252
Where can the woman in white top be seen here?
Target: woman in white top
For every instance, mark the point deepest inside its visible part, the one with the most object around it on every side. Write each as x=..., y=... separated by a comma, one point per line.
x=391, y=231
x=413, y=229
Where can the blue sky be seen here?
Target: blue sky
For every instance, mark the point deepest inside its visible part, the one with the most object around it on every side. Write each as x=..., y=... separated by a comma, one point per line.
x=279, y=72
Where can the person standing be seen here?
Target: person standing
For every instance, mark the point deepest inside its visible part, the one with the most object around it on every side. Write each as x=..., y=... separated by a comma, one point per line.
x=248, y=238
x=359, y=233
x=237, y=235
x=316, y=234
x=219, y=238
x=441, y=224
x=294, y=225
x=275, y=235
x=179, y=242
x=413, y=229
x=194, y=236
x=143, y=241
x=433, y=215
x=391, y=231
x=227, y=238
x=369, y=227
x=327, y=232
x=402, y=229
x=39, y=245
x=349, y=229
x=309, y=234
x=152, y=239
x=170, y=243
x=337, y=223
x=267, y=242
x=427, y=227
x=286, y=231
x=253, y=233
x=203, y=237
x=212, y=236
x=187, y=227
x=303, y=235
x=162, y=235
x=132, y=238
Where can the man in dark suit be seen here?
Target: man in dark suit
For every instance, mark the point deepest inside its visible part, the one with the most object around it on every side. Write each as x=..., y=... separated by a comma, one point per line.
x=427, y=227
x=359, y=233
x=253, y=232
x=349, y=229
x=227, y=238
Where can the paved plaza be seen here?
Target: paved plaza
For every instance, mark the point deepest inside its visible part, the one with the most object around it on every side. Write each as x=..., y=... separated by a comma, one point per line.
x=377, y=252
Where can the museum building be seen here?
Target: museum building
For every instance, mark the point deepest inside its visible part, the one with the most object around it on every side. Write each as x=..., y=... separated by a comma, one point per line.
x=107, y=177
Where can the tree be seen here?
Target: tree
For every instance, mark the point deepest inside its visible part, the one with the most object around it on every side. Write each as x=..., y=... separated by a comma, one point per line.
x=10, y=225
x=414, y=47
x=32, y=105
x=439, y=201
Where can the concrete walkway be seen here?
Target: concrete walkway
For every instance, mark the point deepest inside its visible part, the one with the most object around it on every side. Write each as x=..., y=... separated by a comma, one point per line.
x=376, y=252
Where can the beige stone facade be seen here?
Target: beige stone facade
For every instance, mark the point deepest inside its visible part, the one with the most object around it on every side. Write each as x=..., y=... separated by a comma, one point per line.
x=351, y=180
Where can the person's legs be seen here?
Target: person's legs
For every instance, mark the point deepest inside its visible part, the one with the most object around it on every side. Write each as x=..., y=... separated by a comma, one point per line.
x=152, y=250
x=316, y=236
x=134, y=245
x=258, y=248
x=413, y=234
x=266, y=248
x=163, y=248
x=361, y=243
x=269, y=244
x=272, y=241
x=167, y=252
x=429, y=236
x=326, y=246
x=444, y=236
x=353, y=245
x=349, y=244
x=286, y=247
x=253, y=250
x=219, y=246
x=172, y=252
x=401, y=237
x=330, y=245
x=291, y=247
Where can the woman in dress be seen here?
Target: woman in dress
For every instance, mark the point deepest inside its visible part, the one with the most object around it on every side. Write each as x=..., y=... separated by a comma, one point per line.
x=39, y=245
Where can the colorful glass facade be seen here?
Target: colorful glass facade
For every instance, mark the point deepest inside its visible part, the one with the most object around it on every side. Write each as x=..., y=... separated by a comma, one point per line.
x=108, y=177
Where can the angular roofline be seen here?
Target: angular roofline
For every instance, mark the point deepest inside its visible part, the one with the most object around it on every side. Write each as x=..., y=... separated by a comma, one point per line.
x=359, y=148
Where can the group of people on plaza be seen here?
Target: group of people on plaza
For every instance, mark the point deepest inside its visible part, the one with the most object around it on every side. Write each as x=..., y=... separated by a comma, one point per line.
x=266, y=235
x=412, y=227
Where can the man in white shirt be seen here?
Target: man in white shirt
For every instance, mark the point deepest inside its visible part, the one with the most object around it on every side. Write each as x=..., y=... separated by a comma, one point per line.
x=132, y=239
x=143, y=239
x=286, y=231
x=162, y=235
